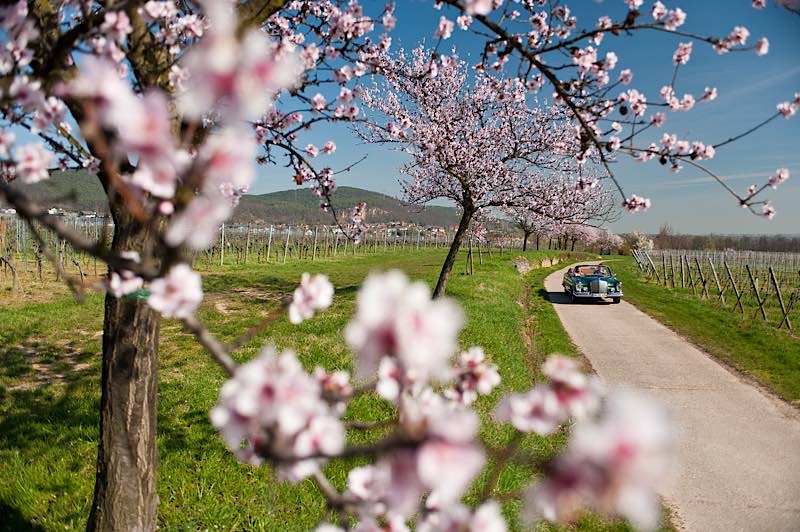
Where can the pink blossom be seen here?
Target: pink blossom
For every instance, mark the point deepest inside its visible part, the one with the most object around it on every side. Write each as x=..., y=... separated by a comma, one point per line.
x=314, y=293
x=478, y=7
x=389, y=21
x=709, y=94
x=659, y=11
x=447, y=468
x=312, y=150
x=239, y=77
x=329, y=147
x=7, y=139
x=271, y=405
x=658, y=119
x=178, y=294
x=318, y=102
x=780, y=175
x=762, y=46
x=636, y=203
x=334, y=383
x=613, y=466
x=125, y=282
x=626, y=76
x=345, y=95
x=464, y=21
x=160, y=181
x=178, y=77
x=682, y=54
x=228, y=158
x=634, y=4
x=116, y=25
x=675, y=18
x=474, y=376
x=759, y=4
x=26, y=93
x=99, y=82
x=487, y=518
x=198, y=224
x=687, y=102
x=768, y=211
x=578, y=395
x=398, y=319
x=445, y=29
x=535, y=411
x=787, y=109
x=33, y=162
x=739, y=35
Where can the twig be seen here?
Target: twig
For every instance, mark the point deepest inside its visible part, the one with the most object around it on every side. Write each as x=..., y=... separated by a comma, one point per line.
x=211, y=344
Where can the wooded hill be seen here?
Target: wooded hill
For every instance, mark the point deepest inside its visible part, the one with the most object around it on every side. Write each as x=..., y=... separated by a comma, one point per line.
x=81, y=191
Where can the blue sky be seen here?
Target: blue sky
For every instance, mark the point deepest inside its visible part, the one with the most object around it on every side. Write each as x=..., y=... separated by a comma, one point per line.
x=749, y=88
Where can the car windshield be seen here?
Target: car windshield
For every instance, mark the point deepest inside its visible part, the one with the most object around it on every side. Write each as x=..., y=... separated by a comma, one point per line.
x=584, y=270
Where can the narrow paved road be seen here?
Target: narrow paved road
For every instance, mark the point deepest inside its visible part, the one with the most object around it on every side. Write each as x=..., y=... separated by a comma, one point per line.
x=739, y=449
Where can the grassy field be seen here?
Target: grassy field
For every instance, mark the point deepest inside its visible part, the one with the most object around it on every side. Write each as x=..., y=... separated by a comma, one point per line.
x=745, y=342
x=49, y=394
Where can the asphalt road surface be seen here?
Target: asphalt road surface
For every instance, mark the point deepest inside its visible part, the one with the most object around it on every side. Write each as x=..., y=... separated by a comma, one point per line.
x=739, y=447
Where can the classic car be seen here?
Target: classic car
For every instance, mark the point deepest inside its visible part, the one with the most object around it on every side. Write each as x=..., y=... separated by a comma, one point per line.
x=592, y=281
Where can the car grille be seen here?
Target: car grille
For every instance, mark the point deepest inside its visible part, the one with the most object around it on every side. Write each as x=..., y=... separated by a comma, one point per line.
x=599, y=287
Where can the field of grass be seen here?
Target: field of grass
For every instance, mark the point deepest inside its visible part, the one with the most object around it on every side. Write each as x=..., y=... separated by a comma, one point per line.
x=49, y=393
x=743, y=341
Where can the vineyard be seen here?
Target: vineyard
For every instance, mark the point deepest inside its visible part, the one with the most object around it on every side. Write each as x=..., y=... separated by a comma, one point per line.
x=27, y=254
x=763, y=285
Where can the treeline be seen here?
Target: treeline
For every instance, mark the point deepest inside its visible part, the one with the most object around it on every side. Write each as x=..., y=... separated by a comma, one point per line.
x=667, y=239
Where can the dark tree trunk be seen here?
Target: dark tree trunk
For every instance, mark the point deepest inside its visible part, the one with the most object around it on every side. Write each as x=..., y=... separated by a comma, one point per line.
x=525, y=242
x=550, y=243
x=537, y=242
x=573, y=244
x=447, y=267
x=125, y=496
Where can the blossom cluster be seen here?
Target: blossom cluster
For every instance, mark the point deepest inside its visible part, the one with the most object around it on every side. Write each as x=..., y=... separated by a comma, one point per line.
x=271, y=409
x=568, y=394
x=612, y=464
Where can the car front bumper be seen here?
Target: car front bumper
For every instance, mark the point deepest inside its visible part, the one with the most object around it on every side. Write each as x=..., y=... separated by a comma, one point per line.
x=596, y=295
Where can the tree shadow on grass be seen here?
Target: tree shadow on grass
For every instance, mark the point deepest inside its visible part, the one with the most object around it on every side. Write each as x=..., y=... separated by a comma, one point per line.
x=12, y=520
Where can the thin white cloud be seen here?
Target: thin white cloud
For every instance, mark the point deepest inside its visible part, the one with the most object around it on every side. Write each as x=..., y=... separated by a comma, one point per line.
x=760, y=174
x=759, y=84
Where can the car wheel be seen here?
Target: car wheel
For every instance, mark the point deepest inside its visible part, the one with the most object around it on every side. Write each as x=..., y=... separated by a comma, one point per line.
x=616, y=300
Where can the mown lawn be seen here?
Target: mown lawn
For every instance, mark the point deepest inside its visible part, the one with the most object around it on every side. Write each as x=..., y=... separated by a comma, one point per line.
x=49, y=395
x=743, y=341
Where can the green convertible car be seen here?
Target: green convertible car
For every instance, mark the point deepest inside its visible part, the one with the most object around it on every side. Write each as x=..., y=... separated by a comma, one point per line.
x=592, y=281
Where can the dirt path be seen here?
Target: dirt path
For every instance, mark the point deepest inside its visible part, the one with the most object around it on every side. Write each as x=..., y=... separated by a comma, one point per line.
x=739, y=449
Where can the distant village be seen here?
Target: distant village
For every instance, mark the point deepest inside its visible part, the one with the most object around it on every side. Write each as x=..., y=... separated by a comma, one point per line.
x=389, y=228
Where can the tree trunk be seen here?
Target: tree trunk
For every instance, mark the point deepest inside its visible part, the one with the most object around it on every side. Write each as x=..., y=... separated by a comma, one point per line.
x=525, y=242
x=125, y=495
x=573, y=244
x=447, y=267
x=537, y=242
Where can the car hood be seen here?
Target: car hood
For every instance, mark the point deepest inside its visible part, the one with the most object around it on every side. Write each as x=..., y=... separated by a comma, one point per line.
x=590, y=278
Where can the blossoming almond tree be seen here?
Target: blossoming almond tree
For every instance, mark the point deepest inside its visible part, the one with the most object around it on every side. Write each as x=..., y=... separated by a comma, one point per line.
x=541, y=43
x=476, y=142
x=170, y=101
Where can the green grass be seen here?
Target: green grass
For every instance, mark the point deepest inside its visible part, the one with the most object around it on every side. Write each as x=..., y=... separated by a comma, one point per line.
x=745, y=342
x=49, y=392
